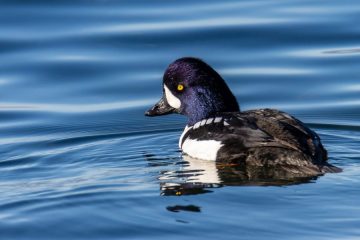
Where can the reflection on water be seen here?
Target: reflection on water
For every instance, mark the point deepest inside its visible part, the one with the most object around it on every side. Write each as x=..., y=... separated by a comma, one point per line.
x=194, y=176
x=189, y=208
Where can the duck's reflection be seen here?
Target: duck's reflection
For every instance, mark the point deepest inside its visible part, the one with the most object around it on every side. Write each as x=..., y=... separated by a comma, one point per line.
x=194, y=176
x=188, y=176
x=188, y=208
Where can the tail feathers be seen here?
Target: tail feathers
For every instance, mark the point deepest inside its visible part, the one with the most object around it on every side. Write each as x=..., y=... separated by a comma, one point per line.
x=328, y=168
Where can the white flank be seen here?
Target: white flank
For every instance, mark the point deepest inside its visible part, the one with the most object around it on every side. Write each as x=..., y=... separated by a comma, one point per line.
x=206, y=150
x=171, y=99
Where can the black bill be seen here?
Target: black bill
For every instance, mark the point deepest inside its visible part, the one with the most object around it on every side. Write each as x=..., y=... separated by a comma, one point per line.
x=160, y=108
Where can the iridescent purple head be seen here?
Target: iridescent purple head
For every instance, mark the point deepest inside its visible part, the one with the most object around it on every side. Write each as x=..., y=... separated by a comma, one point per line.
x=194, y=89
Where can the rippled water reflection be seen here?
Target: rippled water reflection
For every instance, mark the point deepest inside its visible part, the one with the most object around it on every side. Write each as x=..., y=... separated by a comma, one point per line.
x=79, y=159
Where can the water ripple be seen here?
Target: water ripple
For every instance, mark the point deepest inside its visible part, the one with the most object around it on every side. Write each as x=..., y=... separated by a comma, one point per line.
x=76, y=151
x=76, y=108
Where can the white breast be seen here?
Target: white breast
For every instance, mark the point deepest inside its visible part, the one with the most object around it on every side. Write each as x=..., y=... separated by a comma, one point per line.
x=206, y=149
x=187, y=128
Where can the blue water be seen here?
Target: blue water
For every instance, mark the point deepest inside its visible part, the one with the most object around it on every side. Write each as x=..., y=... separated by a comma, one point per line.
x=80, y=161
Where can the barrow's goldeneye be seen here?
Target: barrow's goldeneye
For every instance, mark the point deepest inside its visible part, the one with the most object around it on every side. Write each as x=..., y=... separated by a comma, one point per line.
x=218, y=130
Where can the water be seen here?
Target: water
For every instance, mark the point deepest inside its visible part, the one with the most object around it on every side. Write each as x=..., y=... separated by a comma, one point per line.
x=79, y=160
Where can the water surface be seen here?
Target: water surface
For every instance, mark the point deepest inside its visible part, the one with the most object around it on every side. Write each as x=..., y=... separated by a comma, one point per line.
x=79, y=160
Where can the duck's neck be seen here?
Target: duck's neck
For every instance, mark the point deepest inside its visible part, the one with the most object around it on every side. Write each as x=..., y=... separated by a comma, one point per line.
x=205, y=102
x=198, y=117
x=209, y=110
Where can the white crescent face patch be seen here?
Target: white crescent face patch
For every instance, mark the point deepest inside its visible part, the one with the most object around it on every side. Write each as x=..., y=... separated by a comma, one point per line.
x=171, y=99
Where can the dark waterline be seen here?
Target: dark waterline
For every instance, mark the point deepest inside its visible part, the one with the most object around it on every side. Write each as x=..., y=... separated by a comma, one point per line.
x=80, y=161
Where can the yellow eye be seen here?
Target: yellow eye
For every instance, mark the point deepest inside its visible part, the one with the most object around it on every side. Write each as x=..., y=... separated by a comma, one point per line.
x=180, y=87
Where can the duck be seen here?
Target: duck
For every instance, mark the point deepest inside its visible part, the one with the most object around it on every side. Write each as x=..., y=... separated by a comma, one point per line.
x=217, y=130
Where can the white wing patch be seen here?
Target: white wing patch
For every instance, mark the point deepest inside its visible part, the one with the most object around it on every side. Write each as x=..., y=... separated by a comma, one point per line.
x=196, y=125
x=217, y=119
x=209, y=120
x=171, y=99
x=206, y=150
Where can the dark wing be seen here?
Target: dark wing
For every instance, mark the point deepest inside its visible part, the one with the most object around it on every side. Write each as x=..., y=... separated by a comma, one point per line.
x=262, y=134
x=290, y=131
x=231, y=128
x=242, y=140
x=265, y=138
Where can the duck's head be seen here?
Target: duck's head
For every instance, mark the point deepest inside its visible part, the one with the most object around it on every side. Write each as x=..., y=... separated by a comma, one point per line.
x=194, y=89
